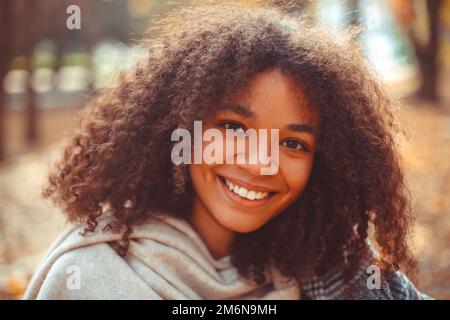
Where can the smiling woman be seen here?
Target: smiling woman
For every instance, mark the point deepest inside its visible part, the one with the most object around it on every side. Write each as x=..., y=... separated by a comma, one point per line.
x=155, y=229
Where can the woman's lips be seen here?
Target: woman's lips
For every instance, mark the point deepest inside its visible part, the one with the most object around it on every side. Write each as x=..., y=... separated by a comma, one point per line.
x=243, y=196
x=247, y=185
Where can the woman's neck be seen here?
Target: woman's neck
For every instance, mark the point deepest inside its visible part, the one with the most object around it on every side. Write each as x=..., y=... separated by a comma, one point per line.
x=216, y=237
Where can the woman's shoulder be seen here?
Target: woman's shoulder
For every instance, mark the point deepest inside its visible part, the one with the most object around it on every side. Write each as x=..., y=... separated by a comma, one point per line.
x=86, y=266
x=88, y=272
x=394, y=285
x=402, y=288
x=369, y=283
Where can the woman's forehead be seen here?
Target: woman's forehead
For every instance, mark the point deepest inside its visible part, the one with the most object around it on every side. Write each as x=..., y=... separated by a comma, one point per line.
x=272, y=93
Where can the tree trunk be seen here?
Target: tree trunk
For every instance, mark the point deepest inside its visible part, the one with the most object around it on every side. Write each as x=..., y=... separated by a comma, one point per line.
x=31, y=115
x=427, y=55
x=31, y=108
x=5, y=45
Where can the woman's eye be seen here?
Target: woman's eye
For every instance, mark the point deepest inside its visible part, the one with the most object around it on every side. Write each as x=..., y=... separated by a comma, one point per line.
x=238, y=128
x=294, y=145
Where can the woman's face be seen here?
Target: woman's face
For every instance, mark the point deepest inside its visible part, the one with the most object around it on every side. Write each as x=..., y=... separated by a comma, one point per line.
x=238, y=196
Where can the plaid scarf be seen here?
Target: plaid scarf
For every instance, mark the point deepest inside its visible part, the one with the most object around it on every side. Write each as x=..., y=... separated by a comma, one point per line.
x=334, y=286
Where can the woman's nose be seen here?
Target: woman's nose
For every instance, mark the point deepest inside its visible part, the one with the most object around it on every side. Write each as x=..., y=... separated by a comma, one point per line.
x=257, y=155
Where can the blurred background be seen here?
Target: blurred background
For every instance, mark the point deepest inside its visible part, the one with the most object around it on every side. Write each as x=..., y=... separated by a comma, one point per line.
x=56, y=54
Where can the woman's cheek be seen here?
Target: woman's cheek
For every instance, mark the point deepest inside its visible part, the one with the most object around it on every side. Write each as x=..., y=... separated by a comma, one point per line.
x=296, y=172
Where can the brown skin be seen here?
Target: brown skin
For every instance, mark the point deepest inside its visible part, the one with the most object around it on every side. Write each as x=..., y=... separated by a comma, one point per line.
x=276, y=102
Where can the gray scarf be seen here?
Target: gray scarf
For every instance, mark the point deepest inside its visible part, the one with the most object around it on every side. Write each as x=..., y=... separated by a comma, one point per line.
x=166, y=260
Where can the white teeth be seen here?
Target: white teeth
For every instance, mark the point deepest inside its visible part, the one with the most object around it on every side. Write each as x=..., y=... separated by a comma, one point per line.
x=244, y=193
x=251, y=195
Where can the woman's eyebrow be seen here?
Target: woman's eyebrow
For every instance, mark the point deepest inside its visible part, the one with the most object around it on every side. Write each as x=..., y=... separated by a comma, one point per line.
x=247, y=113
x=240, y=110
x=302, y=127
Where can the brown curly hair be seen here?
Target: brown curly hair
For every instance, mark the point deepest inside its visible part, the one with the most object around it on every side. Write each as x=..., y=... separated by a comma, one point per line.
x=120, y=156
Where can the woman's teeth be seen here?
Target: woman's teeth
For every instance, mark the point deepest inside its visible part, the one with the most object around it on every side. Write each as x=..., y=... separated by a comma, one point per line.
x=244, y=193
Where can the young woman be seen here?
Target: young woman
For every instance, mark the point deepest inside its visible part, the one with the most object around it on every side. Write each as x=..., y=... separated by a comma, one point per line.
x=332, y=222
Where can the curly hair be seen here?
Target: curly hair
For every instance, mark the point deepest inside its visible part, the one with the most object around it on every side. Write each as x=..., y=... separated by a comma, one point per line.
x=119, y=157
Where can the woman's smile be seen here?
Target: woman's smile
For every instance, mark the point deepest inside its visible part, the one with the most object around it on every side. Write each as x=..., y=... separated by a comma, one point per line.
x=242, y=193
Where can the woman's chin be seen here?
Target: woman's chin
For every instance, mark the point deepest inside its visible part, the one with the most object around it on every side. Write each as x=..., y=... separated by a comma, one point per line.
x=238, y=221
